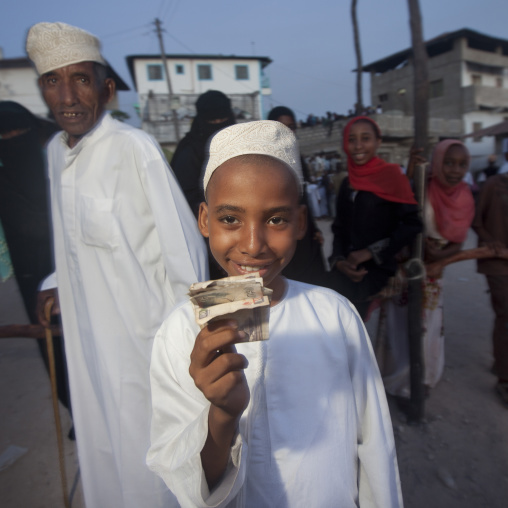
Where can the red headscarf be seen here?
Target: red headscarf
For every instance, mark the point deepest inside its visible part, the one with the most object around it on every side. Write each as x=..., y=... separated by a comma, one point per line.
x=377, y=176
x=453, y=205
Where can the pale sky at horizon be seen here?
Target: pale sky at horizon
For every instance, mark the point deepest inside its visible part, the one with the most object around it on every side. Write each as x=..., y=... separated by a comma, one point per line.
x=310, y=43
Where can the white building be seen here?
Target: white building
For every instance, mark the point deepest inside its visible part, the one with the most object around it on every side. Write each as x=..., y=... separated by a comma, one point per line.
x=241, y=78
x=468, y=74
x=18, y=83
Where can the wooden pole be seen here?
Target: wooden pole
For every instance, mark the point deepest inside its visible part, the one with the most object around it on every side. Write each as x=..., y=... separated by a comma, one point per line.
x=168, y=79
x=28, y=331
x=54, y=396
x=39, y=332
x=359, y=63
x=415, y=274
x=415, y=268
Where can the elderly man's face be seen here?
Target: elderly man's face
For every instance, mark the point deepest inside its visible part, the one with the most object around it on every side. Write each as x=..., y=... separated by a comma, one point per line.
x=76, y=97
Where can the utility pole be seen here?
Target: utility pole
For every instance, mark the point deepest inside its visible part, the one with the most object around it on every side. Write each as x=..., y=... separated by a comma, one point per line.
x=359, y=64
x=415, y=269
x=158, y=29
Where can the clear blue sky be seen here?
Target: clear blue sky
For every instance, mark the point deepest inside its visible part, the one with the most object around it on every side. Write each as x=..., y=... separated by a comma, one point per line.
x=310, y=42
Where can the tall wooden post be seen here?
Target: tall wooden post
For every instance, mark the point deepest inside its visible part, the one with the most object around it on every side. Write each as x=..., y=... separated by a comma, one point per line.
x=359, y=63
x=416, y=271
x=158, y=29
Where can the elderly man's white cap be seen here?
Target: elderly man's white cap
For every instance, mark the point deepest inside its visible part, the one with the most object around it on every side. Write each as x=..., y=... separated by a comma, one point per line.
x=264, y=137
x=54, y=45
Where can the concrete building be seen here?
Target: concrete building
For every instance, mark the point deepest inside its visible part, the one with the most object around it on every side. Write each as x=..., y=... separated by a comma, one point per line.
x=18, y=83
x=397, y=131
x=241, y=78
x=468, y=74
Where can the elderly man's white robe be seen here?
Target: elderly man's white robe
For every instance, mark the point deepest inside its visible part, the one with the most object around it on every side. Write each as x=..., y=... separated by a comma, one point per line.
x=127, y=248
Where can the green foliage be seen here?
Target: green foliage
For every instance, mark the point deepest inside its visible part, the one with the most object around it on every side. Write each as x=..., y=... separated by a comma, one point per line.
x=119, y=115
x=168, y=154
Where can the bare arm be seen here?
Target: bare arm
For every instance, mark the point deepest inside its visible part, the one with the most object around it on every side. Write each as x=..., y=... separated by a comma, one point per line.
x=433, y=253
x=217, y=370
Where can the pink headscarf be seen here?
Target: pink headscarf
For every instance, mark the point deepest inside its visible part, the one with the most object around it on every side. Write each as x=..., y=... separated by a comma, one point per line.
x=453, y=205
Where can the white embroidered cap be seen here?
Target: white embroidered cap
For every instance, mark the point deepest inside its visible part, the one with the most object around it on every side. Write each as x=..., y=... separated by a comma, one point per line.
x=264, y=137
x=54, y=45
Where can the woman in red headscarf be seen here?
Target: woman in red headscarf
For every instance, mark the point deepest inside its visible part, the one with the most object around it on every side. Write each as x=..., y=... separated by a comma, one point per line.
x=448, y=213
x=377, y=215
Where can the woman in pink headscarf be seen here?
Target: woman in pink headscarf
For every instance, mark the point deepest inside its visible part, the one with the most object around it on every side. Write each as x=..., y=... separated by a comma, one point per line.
x=448, y=213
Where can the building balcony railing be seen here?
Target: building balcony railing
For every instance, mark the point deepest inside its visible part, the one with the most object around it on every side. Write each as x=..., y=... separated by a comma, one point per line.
x=484, y=97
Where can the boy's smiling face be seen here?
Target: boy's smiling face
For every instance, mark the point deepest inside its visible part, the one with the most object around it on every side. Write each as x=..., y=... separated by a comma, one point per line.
x=253, y=218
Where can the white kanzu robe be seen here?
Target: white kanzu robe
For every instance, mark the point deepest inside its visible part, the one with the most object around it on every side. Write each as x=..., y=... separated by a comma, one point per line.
x=127, y=248
x=317, y=431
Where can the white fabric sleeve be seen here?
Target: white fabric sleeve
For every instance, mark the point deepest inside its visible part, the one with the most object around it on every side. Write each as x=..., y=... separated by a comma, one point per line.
x=174, y=220
x=378, y=474
x=49, y=282
x=180, y=423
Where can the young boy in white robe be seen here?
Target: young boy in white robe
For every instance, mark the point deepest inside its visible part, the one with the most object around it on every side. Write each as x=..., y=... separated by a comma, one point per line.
x=299, y=420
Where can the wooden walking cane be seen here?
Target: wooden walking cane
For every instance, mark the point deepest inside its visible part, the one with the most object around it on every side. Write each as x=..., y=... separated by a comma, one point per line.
x=54, y=395
x=39, y=332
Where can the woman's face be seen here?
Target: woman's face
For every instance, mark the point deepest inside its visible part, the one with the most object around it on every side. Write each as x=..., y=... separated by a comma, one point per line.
x=288, y=121
x=455, y=164
x=362, y=142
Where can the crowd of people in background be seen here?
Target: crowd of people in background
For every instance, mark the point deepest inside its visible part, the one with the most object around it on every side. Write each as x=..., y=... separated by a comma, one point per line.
x=330, y=117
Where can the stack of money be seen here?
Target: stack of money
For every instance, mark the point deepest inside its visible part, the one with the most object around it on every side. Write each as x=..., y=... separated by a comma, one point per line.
x=242, y=298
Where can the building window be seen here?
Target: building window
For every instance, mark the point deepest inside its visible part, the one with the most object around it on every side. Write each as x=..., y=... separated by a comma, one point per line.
x=436, y=89
x=383, y=97
x=241, y=72
x=154, y=72
x=204, y=72
x=477, y=79
x=179, y=69
x=476, y=127
x=499, y=82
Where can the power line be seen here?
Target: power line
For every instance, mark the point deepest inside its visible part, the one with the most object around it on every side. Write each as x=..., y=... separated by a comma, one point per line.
x=312, y=77
x=170, y=9
x=127, y=30
x=159, y=12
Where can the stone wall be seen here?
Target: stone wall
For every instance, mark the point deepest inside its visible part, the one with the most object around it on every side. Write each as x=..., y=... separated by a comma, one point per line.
x=397, y=131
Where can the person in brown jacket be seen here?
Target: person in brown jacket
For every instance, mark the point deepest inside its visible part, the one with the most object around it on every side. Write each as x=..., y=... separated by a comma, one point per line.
x=491, y=225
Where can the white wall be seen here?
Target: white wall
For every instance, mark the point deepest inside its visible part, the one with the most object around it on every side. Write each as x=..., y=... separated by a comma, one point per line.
x=20, y=85
x=223, y=77
x=480, y=150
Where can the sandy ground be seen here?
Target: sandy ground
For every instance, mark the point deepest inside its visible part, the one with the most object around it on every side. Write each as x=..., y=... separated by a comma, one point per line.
x=458, y=457
x=27, y=421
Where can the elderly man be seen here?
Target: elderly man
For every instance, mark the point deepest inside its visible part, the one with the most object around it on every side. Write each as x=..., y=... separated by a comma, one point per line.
x=126, y=249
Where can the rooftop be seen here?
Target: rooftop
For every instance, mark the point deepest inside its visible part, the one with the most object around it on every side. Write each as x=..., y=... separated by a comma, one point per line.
x=131, y=58
x=26, y=63
x=438, y=45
